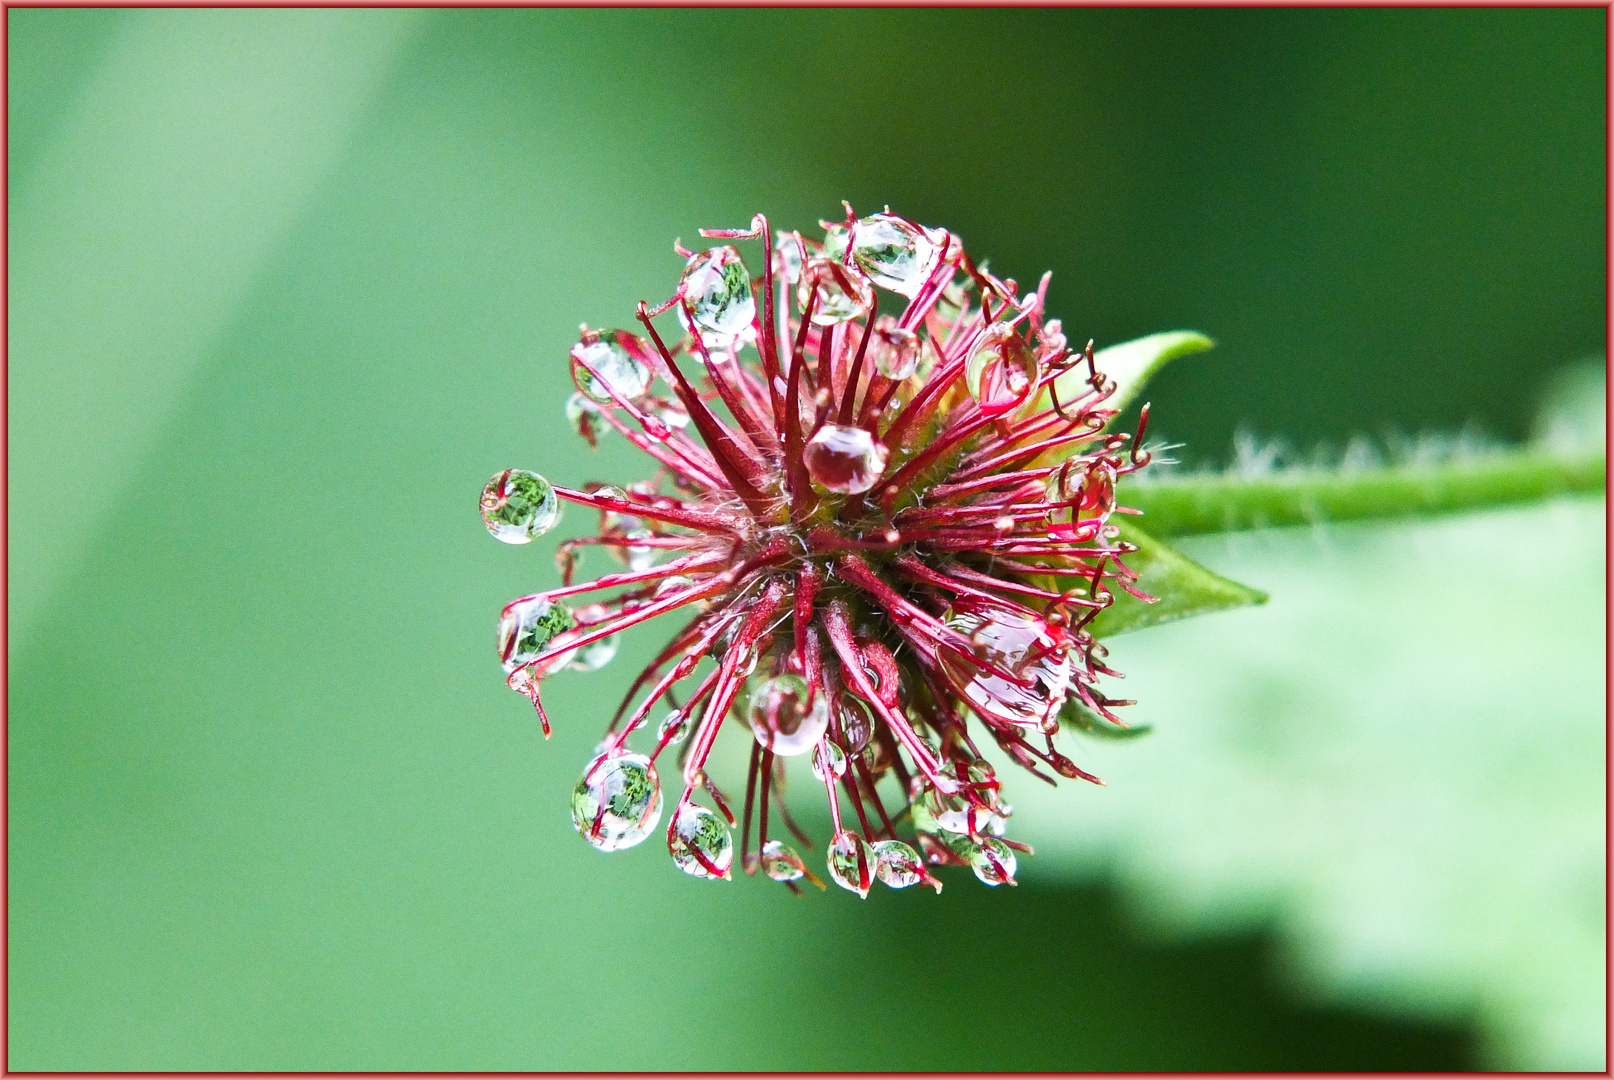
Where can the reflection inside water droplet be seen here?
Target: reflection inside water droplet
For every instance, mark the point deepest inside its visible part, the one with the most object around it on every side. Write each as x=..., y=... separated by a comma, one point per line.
x=897, y=864
x=519, y=506
x=617, y=802
x=526, y=628
x=845, y=459
x=1016, y=644
x=718, y=292
x=781, y=863
x=700, y=843
x=851, y=863
x=993, y=861
x=607, y=367
x=781, y=718
x=895, y=254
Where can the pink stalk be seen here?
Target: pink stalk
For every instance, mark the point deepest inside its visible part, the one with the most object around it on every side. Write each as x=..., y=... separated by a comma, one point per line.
x=751, y=428
x=742, y=472
x=836, y=624
x=857, y=365
x=704, y=520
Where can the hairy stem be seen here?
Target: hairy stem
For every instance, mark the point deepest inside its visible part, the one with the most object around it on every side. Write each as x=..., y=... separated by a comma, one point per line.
x=1188, y=505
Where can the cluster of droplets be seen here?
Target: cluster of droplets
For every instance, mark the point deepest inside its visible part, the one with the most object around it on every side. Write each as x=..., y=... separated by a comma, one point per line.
x=949, y=395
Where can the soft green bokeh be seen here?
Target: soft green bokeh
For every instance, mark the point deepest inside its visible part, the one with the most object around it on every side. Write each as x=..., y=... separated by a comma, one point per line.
x=287, y=287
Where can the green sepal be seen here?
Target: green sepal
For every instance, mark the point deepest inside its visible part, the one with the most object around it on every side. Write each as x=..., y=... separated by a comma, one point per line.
x=1074, y=714
x=1181, y=586
x=1130, y=365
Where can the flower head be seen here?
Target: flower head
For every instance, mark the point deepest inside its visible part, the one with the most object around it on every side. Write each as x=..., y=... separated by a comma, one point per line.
x=876, y=517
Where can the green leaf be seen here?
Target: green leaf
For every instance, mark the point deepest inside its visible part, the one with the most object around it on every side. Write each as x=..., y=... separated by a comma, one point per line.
x=1131, y=364
x=1399, y=764
x=1182, y=588
x=1219, y=502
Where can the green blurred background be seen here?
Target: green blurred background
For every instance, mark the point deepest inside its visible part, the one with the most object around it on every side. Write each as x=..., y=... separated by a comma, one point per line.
x=286, y=287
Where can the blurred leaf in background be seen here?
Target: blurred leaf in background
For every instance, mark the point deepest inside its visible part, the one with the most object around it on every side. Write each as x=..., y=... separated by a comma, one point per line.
x=286, y=287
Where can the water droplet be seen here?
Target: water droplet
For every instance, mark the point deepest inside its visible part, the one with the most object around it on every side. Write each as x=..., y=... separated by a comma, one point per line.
x=718, y=291
x=617, y=802
x=1091, y=489
x=829, y=761
x=669, y=412
x=843, y=295
x=1002, y=371
x=594, y=655
x=897, y=864
x=787, y=256
x=971, y=820
x=923, y=809
x=993, y=861
x=615, y=526
x=781, y=863
x=526, y=628
x=590, y=614
x=519, y=506
x=674, y=727
x=893, y=350
x=851, y=863
x=780, y=717
x=1014, y=643
x=577, y=407
x=701, y=843
x=835, y=237
x=856, y=726
x=615, y=368
x=897, y=255
x=844, y=458
x=667, y=586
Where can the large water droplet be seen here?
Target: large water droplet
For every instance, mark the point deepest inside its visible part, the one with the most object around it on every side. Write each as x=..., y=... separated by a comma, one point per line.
x=1014, y=643
x=894, y=351
x=897, y=864
x=843, y=295
x=829, y=761
x=615, y=368
x=780, y=717
x=519, y=506
x=617, y=802
x=701, y=843
x=594, y=655
x=895, y=254
x=1091, y=489
x=781, y=863
x=993, y=861
x=526, y=628
x=718, y=291
x=1001, y=372
x=844, y=458
x=851, y=863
